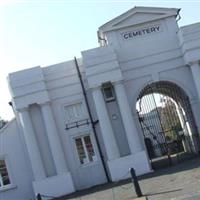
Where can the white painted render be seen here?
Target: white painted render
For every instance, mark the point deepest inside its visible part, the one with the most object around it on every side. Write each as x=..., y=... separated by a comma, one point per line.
x=141, y=46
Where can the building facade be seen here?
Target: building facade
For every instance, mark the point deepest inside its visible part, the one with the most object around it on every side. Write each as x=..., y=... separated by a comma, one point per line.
x=53, y=148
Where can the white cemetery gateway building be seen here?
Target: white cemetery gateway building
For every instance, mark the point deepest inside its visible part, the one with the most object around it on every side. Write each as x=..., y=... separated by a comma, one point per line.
x=62, y=141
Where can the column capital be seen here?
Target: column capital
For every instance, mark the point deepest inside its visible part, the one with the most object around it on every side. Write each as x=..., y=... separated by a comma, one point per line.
x=119, y=82
x=45, y=103
x=24, y=109
x=93, y=89
x=197, y=62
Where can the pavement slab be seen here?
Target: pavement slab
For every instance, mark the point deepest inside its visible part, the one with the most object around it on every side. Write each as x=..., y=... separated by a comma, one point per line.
x=179, y=182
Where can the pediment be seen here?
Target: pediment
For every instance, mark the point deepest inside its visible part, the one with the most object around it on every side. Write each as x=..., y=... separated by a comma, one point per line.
x=138, y=15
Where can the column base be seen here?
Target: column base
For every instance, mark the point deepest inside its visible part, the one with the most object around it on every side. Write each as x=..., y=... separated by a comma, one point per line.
x=55, y=186
x=119, y=168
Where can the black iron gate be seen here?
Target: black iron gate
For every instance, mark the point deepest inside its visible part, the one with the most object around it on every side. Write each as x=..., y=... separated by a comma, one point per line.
x=167, y=123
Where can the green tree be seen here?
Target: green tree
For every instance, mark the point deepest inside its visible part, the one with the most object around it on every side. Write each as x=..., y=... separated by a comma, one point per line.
x=170, y=119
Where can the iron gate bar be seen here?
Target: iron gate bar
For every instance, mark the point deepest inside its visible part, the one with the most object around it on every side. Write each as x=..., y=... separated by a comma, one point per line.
x=173, y=119
x=159, y=117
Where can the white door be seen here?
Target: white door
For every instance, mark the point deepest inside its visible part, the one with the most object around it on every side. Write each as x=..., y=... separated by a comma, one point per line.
x=89, y=170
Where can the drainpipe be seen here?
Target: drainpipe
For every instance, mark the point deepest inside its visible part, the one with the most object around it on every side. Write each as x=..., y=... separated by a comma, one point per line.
x=92, y=121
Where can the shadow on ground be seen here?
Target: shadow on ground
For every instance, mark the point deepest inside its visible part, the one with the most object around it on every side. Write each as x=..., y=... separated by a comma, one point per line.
x=182, y=166
x=179, y=167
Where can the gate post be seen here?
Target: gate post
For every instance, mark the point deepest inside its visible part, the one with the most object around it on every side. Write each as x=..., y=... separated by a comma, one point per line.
x=38, y=196
x=135, y=183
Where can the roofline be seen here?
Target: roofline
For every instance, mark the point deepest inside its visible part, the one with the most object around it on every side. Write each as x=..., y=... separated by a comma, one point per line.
x=138, y=7
x=7, y=124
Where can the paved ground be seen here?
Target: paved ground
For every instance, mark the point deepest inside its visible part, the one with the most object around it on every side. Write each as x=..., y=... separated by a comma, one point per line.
x=180, y=182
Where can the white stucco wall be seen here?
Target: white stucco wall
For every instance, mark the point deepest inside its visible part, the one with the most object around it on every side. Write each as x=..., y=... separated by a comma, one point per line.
x=146, y=58
x=12, y=148
x=64, y=89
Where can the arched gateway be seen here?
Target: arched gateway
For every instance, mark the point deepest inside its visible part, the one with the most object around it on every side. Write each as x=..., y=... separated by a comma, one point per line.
x=167, y=122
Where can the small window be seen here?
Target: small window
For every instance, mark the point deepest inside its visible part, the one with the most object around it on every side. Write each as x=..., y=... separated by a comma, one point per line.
x=4, y=178
x=85, y=149
x=74, y=112
x=108, y=92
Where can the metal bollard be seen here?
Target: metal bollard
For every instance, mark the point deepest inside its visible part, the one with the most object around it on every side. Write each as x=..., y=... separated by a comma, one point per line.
x=38, y=196
x=135, y=183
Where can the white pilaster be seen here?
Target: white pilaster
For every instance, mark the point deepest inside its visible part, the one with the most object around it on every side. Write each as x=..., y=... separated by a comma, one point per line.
x=127, y=118
x=32, y=146
x=53, y=138
x=195, y=68
x=105, y=124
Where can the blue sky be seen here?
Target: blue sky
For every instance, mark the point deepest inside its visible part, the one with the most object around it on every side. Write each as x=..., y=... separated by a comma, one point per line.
x=41, y=32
